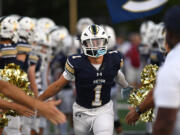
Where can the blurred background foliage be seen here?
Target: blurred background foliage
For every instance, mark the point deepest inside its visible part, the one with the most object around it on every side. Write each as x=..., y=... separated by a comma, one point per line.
x=58, y=10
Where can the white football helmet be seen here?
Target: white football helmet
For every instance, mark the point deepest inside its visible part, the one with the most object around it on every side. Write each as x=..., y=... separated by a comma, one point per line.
x=148, y=33
x=8, y=28
x=61, y=39
x=45, y=24
x=161, y=36
x=15, y=16
x=41, y=44
x=83, y=23
x=57, y=35
x=40, y=37
x=94, y=41
x=26, y=28
x=111, y=35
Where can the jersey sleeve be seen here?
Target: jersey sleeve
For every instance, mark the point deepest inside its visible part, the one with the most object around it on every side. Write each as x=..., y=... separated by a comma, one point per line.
x=120, y=79
x=33, y=59
x=68, y=76
x=69, y=68
x=8, y=51
x=23, y=48
x=121, y=57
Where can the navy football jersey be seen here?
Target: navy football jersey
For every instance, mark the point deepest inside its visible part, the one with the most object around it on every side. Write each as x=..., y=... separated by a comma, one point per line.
x=8, y=55
x=93, y=86
x=33, y=58
x=57, y=67
x=23, y=47
x=8, y=50
x=156, y=57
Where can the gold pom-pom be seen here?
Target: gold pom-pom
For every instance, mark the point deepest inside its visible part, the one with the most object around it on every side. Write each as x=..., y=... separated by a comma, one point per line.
x=3, y=121
x=148, y=79
x=14, y=75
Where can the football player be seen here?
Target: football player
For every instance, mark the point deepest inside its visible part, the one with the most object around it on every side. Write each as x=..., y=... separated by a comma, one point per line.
x=61, y=38
x=39, y=58
x=8, y=40
x=25, y=32
x=94, y=72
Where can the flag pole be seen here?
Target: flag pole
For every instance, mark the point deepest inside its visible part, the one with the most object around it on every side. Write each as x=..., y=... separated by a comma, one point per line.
x=72, y=15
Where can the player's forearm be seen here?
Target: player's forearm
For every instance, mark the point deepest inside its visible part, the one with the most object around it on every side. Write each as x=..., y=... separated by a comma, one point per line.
x=9, y=105
x=32, y=79
x=16, y=94
x=21, y=57
x=54, y=88
x=6, y=105
x=120, y=79
x=148, y=102
x=165, y=121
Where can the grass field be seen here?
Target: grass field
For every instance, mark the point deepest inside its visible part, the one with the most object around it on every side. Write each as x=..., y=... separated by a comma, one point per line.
x=140, y=126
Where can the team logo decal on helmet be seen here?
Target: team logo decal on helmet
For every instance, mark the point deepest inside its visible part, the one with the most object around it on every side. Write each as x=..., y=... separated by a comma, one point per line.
x=94, y=29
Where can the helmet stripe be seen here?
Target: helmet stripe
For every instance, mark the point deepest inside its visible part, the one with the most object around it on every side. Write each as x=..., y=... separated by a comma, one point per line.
x=94, y=29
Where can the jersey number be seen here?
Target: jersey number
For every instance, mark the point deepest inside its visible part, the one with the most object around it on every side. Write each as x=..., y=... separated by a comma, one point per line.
x=97, y=101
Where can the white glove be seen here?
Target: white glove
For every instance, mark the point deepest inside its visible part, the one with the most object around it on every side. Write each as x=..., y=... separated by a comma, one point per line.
x=125, y=92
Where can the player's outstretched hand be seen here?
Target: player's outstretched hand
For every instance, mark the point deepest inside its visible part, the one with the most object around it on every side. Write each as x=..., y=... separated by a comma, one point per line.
x=48, y=109
x=132, y=116
x=125, y=92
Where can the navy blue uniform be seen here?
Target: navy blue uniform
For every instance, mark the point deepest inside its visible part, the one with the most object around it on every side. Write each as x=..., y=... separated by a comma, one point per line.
x=24, y=48
x=8, y=55
x=156, y=57
x=57, y=67
x=93, y=86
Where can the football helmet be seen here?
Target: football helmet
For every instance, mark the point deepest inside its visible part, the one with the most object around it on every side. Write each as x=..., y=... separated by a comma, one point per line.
x=148, y=33
x=45, y=24
x=60, y=39
x=8, y=28
x=57, y=35
x=111, y=35
x=94, y=41
x=16, y=16
x=26, y=28
x=83, y=23
x=161, y=36
x=40, y=38
x=41, y=44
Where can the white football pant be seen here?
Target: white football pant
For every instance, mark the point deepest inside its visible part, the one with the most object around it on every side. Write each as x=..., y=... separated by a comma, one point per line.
x=13, y=127
x=96, y=121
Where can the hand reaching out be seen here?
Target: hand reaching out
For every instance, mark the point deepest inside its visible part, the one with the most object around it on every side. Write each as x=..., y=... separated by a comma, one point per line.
x=49, y=110
x=132, y=116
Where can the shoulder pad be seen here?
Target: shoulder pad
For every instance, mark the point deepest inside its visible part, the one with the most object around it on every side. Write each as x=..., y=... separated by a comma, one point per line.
x=71, y=62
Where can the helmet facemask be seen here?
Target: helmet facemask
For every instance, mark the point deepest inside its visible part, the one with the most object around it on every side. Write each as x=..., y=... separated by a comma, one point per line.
x=161, y=37
x=95, y=47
